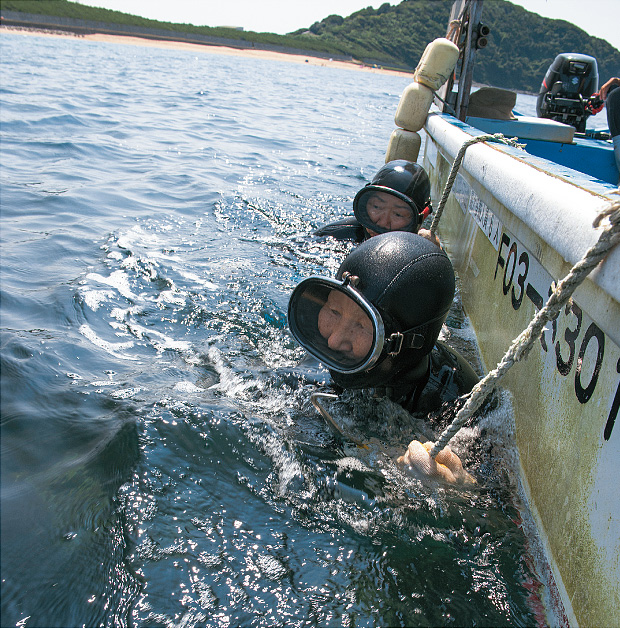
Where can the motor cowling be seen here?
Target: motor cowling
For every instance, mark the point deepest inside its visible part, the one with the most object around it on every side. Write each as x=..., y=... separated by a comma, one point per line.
x=568, y=87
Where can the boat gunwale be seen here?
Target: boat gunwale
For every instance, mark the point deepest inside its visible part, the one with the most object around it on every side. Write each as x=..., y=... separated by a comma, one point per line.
x=558, y=210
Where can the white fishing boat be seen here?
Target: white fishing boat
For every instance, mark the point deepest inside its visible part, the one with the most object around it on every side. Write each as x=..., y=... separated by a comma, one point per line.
x=515, y=223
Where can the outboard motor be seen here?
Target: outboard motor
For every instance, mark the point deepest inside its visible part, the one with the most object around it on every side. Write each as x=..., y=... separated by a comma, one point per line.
x=567, y=93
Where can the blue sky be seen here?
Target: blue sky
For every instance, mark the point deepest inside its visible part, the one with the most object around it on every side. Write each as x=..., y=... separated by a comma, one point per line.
x=600, y=18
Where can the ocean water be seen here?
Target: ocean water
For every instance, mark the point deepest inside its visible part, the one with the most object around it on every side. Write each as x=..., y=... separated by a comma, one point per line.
x=159, y=467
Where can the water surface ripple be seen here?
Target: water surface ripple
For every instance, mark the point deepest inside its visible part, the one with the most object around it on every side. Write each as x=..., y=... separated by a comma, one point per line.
x=156, y=468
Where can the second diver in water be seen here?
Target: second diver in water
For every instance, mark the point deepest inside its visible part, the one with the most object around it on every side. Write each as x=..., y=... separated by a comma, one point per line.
x=376, y=326
x=397, y=199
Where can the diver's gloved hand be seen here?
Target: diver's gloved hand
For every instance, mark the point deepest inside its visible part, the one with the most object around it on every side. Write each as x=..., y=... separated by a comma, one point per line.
x=446, y=466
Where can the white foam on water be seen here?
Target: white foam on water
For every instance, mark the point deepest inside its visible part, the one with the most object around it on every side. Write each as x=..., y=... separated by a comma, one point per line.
x=117, y=280
x=466, y=332
x=125, y=393
x=113, y=348
x=171, y=296
x=187, y=387
x=200, y=282
x=229, y=383
x=94, y=298
x=137, y=235
x=120, y=314
x=161, y=342
x=352, y=464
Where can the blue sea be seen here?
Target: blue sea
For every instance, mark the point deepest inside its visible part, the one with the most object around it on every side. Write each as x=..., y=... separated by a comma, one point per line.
x=159, y=466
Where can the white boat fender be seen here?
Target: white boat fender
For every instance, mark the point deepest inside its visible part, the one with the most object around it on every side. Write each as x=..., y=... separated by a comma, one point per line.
x=403, y=145
x=413, y=107
x=437, y=63
x=435, y=67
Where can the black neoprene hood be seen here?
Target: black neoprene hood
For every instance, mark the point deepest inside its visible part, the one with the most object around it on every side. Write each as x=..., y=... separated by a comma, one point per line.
x=403, y=179
x=410, y=281
x=406, y=277
x=405, y=286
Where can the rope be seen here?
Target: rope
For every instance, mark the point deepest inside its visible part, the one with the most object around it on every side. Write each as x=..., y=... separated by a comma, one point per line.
x=522, y=345
x=456, y=164
x=447, y=107
x=454, y=29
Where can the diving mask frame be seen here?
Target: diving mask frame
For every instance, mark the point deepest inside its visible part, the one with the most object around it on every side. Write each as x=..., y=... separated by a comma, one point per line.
x=313, y=293
x=360, y=203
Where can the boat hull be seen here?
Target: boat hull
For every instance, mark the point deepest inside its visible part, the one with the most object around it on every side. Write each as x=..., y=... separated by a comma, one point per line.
x=512, y=227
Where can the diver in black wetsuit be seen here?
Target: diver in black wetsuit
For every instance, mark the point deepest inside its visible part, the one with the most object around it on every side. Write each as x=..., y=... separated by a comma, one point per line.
x=397, y=199
x=376, y=325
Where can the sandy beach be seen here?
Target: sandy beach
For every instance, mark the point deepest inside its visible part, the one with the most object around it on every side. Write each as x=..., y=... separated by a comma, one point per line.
x=209, y=49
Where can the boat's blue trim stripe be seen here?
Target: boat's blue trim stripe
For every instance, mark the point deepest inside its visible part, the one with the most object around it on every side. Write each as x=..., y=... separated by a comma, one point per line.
x=596, y=185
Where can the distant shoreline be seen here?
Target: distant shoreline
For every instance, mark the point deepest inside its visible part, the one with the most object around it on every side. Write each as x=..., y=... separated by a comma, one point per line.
x=207, y=49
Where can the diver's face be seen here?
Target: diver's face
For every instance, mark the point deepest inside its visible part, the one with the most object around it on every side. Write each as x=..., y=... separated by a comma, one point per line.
x=345, y=326
x=388, y=212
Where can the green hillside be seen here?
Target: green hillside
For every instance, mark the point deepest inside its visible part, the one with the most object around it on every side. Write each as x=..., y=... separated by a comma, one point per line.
x=521, y=47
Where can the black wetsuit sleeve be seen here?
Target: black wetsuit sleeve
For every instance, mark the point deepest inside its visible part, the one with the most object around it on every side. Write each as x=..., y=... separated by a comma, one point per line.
x=613, y=110
x=346, y=229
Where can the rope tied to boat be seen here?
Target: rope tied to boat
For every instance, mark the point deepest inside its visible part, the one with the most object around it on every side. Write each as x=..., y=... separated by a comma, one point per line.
x=456, y=164
x=522, y=345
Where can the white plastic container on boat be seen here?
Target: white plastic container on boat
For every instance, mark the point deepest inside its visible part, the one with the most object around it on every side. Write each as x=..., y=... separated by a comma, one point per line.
x=437, y=63
x=403, y=145
x=413, y=107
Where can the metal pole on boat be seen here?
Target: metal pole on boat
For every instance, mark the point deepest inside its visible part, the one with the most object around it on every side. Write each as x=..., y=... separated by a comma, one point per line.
x=467, y=67
x=463, y=30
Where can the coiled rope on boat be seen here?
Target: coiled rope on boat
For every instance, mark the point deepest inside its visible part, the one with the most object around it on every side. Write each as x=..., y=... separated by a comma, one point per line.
x=522, y=345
